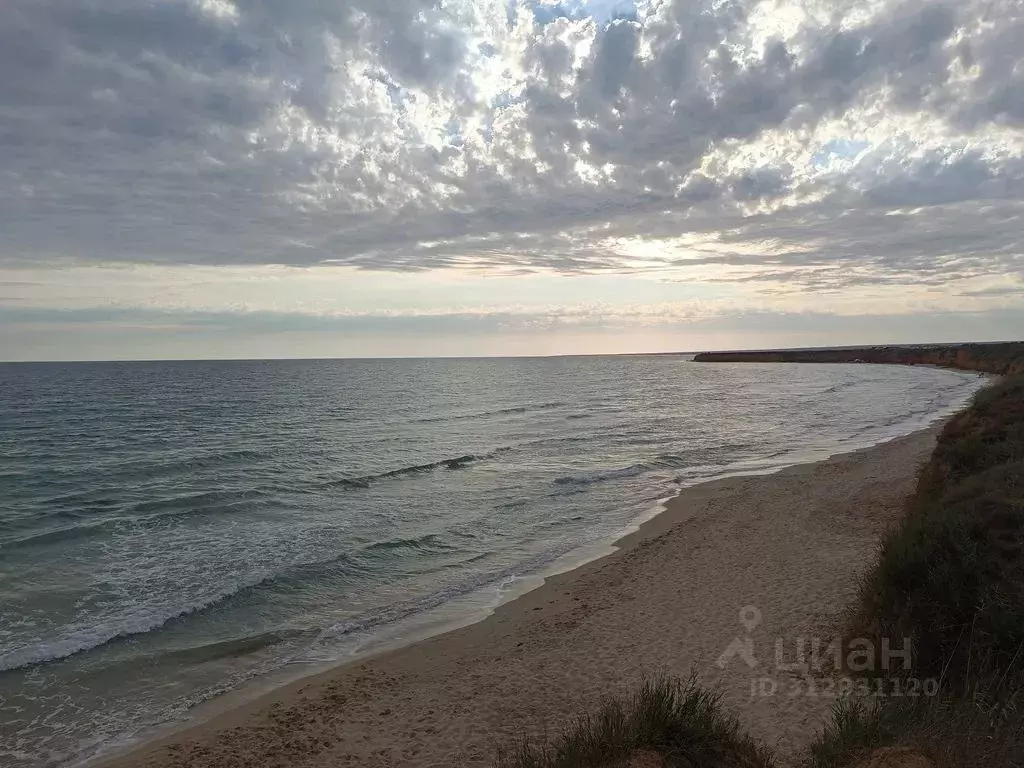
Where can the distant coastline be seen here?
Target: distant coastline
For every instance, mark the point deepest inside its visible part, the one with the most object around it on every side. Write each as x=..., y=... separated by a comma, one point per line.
x=1001, y=358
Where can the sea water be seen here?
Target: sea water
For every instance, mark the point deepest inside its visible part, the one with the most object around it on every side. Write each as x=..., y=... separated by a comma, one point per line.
x=170, y=531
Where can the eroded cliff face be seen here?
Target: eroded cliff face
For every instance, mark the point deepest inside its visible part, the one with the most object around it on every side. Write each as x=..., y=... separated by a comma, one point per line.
x=1000, y=358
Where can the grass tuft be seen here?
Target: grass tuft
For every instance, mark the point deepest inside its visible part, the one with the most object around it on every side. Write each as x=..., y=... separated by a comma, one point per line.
x=985, y=729
x=679, y=721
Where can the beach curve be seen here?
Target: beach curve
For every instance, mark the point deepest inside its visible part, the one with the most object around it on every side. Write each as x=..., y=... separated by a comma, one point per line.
x=667, y=601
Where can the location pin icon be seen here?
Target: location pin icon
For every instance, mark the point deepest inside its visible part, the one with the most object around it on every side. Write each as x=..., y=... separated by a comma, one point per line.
x=750, y=617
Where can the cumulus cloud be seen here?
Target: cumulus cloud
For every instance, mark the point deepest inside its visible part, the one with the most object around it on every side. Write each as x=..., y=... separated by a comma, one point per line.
x=864, y=142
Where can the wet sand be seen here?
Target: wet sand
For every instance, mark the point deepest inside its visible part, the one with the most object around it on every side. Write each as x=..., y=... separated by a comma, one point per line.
x=792, y=545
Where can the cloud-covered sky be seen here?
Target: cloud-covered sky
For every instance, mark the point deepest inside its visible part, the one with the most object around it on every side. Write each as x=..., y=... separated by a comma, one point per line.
x=248, y=178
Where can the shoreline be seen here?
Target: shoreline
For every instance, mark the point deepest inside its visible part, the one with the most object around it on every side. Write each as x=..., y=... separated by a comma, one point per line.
x=293, y=674
x=267, y=686
x=216, y=738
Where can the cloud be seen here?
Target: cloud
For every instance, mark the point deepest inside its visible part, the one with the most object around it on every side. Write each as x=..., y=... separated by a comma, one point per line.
x=870, y=143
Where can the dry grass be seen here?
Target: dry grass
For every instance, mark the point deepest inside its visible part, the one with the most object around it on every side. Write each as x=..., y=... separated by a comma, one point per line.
x=679, y=722
x=952, y=731
x=951, y=576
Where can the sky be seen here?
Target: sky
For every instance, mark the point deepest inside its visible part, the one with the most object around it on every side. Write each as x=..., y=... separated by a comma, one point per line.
x=351, y=178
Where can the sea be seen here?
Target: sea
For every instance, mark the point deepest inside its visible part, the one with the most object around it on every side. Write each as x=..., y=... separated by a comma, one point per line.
x=171, y=532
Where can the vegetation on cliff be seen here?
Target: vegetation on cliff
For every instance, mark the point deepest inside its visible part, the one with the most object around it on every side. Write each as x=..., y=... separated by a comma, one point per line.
x=951, y=577
x=952, y=574
x=1002, y=358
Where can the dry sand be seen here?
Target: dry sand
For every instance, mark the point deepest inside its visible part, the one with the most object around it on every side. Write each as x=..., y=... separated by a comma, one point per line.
x=792, y=544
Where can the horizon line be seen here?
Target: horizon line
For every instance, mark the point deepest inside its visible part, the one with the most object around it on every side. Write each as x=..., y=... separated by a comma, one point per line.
x=502, y=357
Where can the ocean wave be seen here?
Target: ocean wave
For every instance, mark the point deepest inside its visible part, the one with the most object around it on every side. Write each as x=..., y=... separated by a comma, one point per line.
x=84, y=639
x=196, y=501
x=602, y=475
x=899, y=420
x=161, y=511
x=484, y=414
x=840, y=386
x=474, y=559
x=55, y=516
x=79, y=502
x=53, y=535
x=662, y=461
x=89, y=638
x=585, y=438
x=395, y=612
x=219, y=649
x=458, y=462
x=428, y=542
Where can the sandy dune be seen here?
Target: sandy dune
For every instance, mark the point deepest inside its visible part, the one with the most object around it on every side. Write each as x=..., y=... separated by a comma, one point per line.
x=792, y=545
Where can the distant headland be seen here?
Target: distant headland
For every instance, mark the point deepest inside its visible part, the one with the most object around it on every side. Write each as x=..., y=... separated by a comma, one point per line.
x=1002, y=358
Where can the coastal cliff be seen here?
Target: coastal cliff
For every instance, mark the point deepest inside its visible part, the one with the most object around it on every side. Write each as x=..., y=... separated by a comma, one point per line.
x=1002, y=358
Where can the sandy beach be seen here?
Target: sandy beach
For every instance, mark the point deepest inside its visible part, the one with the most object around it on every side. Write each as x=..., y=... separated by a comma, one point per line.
x=668, y=602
